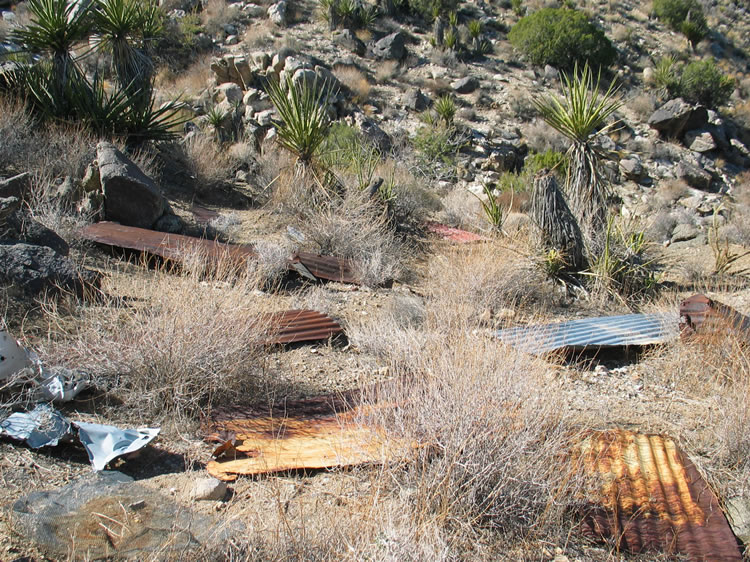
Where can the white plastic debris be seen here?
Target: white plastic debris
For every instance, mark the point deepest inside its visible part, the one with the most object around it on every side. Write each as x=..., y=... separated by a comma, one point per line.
x=106, y=442
x=13, y=357
x=40, y=427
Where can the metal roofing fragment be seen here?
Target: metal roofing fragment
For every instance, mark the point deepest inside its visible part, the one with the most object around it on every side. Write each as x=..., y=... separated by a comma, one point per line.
x=40, y=427
x=13, y=357
x=167, y=246
x=294, y=326
x=700, y=316
x=653, y=498
x=322, y=432
x=106, y=442
x=455, y=235
x=608, y=331
x=175, y=246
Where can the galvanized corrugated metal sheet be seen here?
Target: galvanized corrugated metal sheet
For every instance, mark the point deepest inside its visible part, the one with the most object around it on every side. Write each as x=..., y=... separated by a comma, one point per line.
x=455, y=235
x=593, y=333
x=322, y=432
x=294, y=326
x=654, y=499
x=168, y=246
x=702, y=317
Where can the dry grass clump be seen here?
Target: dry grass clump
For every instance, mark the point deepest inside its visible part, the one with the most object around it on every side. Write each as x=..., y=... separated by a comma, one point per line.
x=714, y=377
x=357, y=228
x=188, y=83
x=206, y=161
x=356, y=81
x=541, y=137
x=171, y=344
x=643, y=105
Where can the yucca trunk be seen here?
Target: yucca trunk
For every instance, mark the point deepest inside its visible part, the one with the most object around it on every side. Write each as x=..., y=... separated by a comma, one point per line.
x=587, y=192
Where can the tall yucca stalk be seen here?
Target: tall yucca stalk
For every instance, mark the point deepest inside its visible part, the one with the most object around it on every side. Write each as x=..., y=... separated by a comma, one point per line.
x=581, y=115
x=304, y=119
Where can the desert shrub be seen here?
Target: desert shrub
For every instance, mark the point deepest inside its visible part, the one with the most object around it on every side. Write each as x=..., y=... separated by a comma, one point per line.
x=703, y=82
x=685, y=16
x=346, y=150
x=561, y=37
x=436, y=148
x=205, y=161
x=351, y=14
x=356, y=81
x=552, y=159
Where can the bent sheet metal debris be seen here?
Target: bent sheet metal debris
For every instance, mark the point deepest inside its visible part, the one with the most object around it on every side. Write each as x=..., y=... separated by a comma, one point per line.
x=294, y=326
x=322, y=432
x=653, y=498
x=455, y=235
x=702, y=317
x=608, y=331
x=45, y=426
x=176, y=246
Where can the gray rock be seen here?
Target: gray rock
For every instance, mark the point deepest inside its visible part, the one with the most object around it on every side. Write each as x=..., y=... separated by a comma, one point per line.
x=230, y=92
x=8, y=207
x=700, y=140
x=694, y=175
x=68, y=193
x=632, y=168
x=29, y=270
x=91, y=180
x=130, y=197
x=738, y=510
x=550, y=72
x=250, y=96
x=92, y=206
x=169, y=222
x=683, y=232
x=15, y=186
x=264, y=118
x=60, y=521
x=20, y=227
x=392, y=47
x=677, y=116
x=415, y=100
x=254, y=10
x=465, y=85
x=208, y=489
x=305, y=76
x=347, y=40
x=373, y=133
x=277, y=13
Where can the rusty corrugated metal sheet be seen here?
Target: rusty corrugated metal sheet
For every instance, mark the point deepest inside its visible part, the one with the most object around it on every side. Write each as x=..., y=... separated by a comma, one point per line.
x=325, y=267
x=322, y=432
x=293, y=326
x=455, y=235
x=700, y=316
x=653, y=498
x=593, y=333
x=168, y=246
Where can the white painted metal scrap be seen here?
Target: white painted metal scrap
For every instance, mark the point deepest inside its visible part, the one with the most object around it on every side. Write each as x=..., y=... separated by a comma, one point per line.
x=594, y=333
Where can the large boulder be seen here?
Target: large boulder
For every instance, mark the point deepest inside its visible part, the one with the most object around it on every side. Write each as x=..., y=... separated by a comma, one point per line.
x=15, y=186
x=390, y=47
x=29, y=270
x=694, y=175
x=677, y=116
x=19, y=226
x=130, y=197
x=347, y=40
x=277, y=13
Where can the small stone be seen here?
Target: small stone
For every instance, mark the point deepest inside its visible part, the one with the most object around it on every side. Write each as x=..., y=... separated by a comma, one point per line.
x=230, y=92
x=208, y=489
x=684, y=232
x=700, y=141
x=465, y=85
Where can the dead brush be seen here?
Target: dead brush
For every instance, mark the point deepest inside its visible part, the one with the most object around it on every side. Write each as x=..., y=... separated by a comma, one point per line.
x=185, y=340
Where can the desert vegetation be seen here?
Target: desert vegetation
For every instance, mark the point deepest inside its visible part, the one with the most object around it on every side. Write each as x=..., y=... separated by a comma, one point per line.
x=467, y=167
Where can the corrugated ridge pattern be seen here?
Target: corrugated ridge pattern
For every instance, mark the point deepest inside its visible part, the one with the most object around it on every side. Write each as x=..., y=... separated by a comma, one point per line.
x=654, y=499
x=292, y=326
x=702, y=316
x=610, y=331
x=326, y=267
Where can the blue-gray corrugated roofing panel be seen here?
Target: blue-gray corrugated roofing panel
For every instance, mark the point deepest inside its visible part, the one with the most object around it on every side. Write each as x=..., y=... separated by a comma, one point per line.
x=608, y=331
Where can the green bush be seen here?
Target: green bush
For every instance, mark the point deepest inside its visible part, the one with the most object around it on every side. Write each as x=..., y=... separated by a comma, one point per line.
x=703, y=82
x=685, y=16
x=561, y=37
x=552, y=159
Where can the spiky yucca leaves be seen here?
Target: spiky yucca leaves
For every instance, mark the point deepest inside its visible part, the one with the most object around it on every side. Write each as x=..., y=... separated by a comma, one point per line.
x=581, y=115
x=125, y=28
x=304, y=119
x=56, y=27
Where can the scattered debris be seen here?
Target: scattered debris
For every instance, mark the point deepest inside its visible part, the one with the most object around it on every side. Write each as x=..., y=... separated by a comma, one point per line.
x=702, y=317
x=322, y=432
x=45, y=426
x=455, y=235
x=106, y=515
x=13, y=356
x=174, y=247
x=106, y=442
x=294, y=326
x=41, y=427
x=588, y=333
x=654, y=499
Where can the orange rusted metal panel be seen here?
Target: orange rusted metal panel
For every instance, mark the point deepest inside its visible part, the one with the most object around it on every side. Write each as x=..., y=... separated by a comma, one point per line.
x=654, y=499
x=704, y=318
x=322, y=432
x=294, y=326
x=455, y=235
x=168, y=246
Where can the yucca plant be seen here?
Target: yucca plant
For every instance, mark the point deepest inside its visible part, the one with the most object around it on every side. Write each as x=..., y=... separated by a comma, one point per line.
x=445, y=108
x=125, y=28
x=493, y=211
x=56, y=27
x=581, y=115
x=304, y=119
